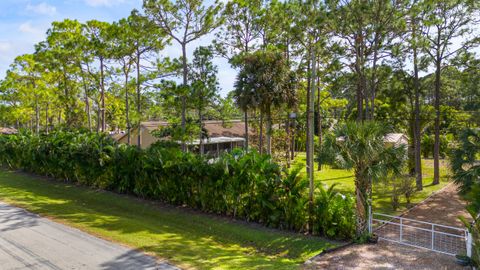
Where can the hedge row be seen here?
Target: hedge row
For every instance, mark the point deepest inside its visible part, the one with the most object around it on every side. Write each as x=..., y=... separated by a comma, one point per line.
x=243, y=185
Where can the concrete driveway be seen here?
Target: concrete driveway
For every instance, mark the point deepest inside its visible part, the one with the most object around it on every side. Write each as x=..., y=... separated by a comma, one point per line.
x=28, y=241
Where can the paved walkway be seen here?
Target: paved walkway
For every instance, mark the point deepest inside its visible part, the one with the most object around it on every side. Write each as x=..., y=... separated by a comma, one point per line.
x=28, y=241
x=444, y=208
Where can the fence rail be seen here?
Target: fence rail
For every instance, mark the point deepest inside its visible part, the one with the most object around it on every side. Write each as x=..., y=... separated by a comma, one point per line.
x=436, y=237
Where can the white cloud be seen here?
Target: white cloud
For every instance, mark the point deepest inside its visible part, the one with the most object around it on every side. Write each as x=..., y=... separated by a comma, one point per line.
x=27, y=27
x=5, y=47
x=98, y=3
x=42, y=8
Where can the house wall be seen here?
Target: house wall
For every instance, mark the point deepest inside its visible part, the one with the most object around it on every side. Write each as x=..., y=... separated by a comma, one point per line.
x=147, y=138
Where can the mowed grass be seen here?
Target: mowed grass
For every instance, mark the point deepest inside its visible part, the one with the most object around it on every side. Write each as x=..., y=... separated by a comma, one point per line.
x=185, y=238
x=344, y=180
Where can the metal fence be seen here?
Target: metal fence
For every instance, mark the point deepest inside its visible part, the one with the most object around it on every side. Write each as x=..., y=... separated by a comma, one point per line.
x=439, y=238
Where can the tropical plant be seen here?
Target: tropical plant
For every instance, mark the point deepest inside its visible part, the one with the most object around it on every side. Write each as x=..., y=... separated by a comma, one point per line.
x=330, y=208
x=266, y=75
x=242, y=184
x=465, y=165
x=361, y=147
x=465, y=161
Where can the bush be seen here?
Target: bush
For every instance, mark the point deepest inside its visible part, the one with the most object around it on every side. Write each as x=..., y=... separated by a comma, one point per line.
x=428, y=142
x=402, y=186
x=333, y=213
x=244, y=185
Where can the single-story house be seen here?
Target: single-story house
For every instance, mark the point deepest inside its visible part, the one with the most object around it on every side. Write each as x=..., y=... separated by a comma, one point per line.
x=223, y=136
x=7, y=131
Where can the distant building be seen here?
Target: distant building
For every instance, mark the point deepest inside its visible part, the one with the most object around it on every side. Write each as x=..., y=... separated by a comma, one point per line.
x=396, y=139
x=7, y=131
x=390, y=139
x=223, y=136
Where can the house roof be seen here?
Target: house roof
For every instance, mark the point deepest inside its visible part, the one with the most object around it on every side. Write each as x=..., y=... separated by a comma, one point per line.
x=395, y=137
x=215, y=128
x=117, y=136
x=388, y=138
x=8, y=131
x=216, y=140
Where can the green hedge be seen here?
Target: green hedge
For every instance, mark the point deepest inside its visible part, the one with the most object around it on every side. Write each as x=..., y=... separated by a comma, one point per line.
x=248, y=186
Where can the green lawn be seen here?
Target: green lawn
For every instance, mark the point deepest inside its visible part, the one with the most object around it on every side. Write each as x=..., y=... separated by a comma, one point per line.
x=185, y=238
x=381, y=192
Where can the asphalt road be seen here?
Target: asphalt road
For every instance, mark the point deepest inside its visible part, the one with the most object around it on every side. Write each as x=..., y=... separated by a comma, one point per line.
x=28, y=241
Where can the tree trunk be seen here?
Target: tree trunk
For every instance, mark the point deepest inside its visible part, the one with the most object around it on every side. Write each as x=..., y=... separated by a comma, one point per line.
x=245, y=115
x=361, y=202
x=269, y=132
x=292, y=143
x=46, y=118
x=99, y=117
x=411, y=146
x=373, y=87
x=307, y=128
x=102, y=96
x=287, y=143
x=200, y=117
x=260, y=143
x=360, y=78
x=319, y=126
x=37, y=116
x=184, y=98
x=417, y=133
x=37, y=110
x=67, y=99
x=310, y=136
x=87, y=102
x=139, y=100
x=87, y=110
x=127, y=110
x=436, y=148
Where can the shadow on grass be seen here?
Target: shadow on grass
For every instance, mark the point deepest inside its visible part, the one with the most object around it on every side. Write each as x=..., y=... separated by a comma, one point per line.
x=184, y=237
x=337, y=178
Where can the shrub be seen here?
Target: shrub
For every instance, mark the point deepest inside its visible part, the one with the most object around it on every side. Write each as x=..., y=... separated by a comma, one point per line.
x=402, y=185
x=245, y=185
x=334, y=214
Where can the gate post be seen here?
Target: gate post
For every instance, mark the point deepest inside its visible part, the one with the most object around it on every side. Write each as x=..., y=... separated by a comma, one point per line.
x=433, y=237
x=469, y=244
x=369, y=219
x=401, y=229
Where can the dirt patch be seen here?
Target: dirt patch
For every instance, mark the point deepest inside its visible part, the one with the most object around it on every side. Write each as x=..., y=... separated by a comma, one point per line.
x=384, y=255
x=444, y=207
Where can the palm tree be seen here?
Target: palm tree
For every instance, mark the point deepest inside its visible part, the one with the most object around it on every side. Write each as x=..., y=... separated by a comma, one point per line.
x=360, y=146
x=466, y=173
x=464, y=161
x=246, y=101
x=265, y=77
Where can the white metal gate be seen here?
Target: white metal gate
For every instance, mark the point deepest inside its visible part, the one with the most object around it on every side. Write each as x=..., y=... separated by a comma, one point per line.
x=436, y=237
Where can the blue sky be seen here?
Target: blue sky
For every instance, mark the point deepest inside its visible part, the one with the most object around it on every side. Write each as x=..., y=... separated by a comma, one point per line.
x=24, y=23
